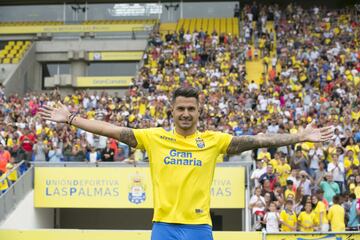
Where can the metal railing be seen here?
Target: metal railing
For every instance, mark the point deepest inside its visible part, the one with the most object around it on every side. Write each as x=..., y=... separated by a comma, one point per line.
x=17, y=190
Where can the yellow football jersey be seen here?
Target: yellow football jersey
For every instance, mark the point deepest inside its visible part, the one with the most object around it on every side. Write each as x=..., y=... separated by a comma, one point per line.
x=320, y=208
x=182, y=170
x=336, y=216
x=288, y=218
x=306, y=221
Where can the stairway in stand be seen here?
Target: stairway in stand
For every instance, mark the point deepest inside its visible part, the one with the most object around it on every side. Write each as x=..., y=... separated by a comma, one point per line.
x=255, y=68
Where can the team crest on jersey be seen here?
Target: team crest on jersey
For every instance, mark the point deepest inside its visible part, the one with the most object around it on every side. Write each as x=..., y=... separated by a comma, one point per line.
x=200, y=143
x=137, y=189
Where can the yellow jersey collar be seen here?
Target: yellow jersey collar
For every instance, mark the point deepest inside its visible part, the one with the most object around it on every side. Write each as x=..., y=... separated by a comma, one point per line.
x=195, y=134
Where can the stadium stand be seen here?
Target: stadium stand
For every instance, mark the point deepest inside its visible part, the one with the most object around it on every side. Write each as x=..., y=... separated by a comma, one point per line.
x=318, y=65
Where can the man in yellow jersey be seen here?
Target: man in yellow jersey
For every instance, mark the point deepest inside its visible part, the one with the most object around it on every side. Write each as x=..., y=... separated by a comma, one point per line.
x=288, y=218
x=182, y=161
x=336, y=215
x=321, y=219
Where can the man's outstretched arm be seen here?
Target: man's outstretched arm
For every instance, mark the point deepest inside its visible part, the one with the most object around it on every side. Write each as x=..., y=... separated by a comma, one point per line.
x=62, y=115
x=309, y=134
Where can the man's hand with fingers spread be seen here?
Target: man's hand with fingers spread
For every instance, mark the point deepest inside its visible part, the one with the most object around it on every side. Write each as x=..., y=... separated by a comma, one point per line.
x=313, y=134
x=56, y=114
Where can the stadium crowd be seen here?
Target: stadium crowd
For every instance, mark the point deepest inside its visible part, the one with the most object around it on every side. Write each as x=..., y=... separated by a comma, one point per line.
x=314, y=76
x=311, y=73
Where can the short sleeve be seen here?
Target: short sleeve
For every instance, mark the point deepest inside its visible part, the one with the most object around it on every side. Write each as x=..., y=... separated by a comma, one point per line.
x=224, y=142
x=142, y=138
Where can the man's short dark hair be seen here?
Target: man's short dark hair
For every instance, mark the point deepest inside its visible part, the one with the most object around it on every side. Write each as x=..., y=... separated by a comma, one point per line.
x=187, y=92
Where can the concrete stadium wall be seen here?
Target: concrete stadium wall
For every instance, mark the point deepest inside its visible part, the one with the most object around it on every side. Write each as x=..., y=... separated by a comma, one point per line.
x=28, y=74
x=132, y=219
x=26, y=216
x=90, y=45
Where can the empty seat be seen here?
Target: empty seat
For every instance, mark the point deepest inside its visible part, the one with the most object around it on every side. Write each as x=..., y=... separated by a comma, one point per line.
x=6, y=60
x=10, y=55
x=15, y=60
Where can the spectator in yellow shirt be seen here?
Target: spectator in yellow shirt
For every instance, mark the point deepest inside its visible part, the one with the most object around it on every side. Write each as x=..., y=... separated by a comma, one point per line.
x=3, y=182
x=336, y=215
x=276, y=161
x=357, y=188
x=320, y=214
x=306, y=219
x=283, y=170
x=350, y=162
x=289, y=188
x=288, y=218
x=13, y=176
x=264, y=153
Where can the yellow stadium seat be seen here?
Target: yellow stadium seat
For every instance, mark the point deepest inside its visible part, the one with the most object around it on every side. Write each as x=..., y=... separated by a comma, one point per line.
x=222, y=25
x=8, y=47
x=192, y=24
x=198, y=24
x=19, y=43
x=217, y=25
x=204, y=25
x=6, y=60
x=229, y=27
x=15, y=60
x=180, y=24
x=3, y=53
x=11, y=43
x=13, y=51
x=186, y=25
x=10, y=55
x=236, y=27
x=165, y=27
x=211, y=25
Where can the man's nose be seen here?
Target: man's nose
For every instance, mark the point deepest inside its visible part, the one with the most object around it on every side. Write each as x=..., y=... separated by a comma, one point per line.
x=186, y=113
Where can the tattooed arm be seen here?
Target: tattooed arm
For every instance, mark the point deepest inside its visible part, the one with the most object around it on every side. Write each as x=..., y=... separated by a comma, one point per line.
x=123, y=134
x=244, y=143
x=61, y=114
x=309, y=134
